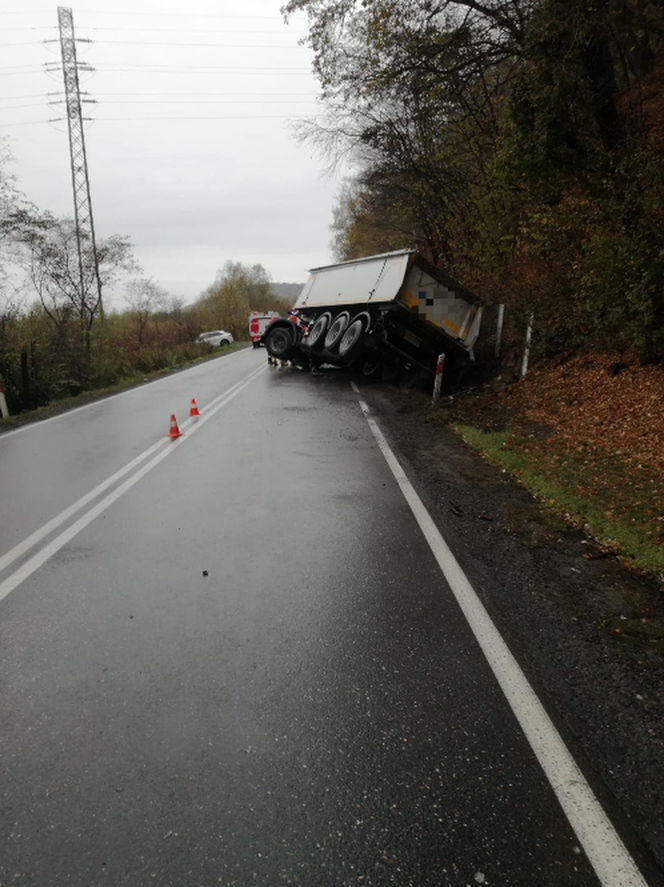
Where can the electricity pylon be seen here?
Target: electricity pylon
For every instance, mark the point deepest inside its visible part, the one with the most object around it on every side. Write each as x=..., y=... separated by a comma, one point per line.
x=83, y=218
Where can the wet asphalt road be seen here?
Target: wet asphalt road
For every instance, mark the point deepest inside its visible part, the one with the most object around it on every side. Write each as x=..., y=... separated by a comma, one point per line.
x=248, y=669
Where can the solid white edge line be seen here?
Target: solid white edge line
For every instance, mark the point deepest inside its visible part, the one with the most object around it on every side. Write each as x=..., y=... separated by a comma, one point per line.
x=30, y=541
x=133, y=390
x=604, y=848
x=40, y=558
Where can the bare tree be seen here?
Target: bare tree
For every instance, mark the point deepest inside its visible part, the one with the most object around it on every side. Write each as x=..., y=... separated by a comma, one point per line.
x=19, y=221
x=54, y=272
x=410, y=90
x=144, y=296
x=182, y=318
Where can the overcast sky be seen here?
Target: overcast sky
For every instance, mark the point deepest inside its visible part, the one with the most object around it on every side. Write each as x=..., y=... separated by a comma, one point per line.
x=190, y=193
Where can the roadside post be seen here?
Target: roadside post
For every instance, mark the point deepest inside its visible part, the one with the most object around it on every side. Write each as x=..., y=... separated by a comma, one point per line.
x=499, y=328
x=526, y=352
x=440, y=365
x=4, y=410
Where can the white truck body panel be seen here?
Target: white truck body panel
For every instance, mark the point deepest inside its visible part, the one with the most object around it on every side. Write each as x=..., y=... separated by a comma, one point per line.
x=377, y=279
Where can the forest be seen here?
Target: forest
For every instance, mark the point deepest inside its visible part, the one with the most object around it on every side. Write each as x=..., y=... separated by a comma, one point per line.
x=517, y=143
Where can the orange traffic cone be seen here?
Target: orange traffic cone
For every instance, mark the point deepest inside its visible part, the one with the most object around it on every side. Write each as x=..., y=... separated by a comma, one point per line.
x=194, y=409
x=175, y=431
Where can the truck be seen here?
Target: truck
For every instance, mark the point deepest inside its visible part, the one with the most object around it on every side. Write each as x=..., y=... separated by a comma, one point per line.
x=258, y=323
x=391, y=315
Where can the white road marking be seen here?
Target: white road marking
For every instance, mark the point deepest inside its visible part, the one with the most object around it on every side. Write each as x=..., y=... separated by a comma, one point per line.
x=40, y=558
x=67, y=413
x=608, y=855
x=22, y=547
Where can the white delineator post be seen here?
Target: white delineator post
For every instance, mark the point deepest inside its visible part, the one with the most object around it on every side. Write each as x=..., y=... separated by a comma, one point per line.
x=4, y=411
x=440, y=365
x=499, y=329
x=526, y=353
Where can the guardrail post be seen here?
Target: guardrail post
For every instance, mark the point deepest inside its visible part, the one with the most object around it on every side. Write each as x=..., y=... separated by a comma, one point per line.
x=440, y=366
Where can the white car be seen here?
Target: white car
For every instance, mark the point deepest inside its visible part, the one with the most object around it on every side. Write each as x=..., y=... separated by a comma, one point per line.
x=217, y=338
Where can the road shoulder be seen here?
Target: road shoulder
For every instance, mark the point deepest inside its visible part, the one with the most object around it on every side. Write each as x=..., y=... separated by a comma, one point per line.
x=560, y=610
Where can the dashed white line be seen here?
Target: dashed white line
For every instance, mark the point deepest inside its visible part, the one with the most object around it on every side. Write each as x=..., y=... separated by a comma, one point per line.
x=606, y=852
x=30, y=541
x=43, y=555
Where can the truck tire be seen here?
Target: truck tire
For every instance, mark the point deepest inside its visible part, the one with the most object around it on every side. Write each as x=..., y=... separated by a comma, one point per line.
x=316, y=337
x=336, y=331
x=351, y=341
x=279, y=342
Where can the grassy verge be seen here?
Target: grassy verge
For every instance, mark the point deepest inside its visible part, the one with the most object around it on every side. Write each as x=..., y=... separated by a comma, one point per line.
x=621, y=505
x=137, y=378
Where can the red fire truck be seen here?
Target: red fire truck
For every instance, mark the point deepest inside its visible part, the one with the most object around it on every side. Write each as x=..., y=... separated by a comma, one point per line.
x=258, y=323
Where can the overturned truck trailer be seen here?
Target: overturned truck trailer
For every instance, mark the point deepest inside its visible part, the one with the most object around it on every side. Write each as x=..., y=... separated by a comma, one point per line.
x=390, y=314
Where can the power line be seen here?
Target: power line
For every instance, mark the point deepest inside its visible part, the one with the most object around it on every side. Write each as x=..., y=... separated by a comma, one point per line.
x=18, y=73
x=202, y=67
x=221, y=71
x=53, y=102
x=180, y=15
x=23, y=123
x=169, y=118
x=34, y=95
x=220, y=102
x=31, y=65
x=120, y=68
x=150, y=119
x=194, y=93
x=188, y=102
x=191, y=31
x=33, y=105
x=244, y=117
x=190, y=45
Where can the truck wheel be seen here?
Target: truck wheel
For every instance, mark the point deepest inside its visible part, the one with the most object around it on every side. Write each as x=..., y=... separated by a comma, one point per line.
x=317, y=335
x=337, y=330
x=279, y=342
x=351, y=341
